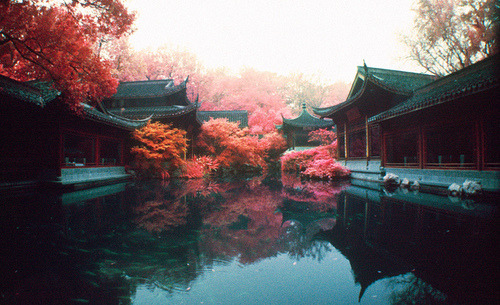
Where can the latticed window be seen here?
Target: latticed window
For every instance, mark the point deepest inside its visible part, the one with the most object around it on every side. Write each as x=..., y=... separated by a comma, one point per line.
x=110, y=152
x=375, y=141
x=450, y=146
x=356, y=142
x=402, y=150
x=79, y=150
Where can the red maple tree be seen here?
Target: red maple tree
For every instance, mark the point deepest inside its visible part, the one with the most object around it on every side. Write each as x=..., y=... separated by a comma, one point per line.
x=161, y=149
x=235, y=148
x=59, y=42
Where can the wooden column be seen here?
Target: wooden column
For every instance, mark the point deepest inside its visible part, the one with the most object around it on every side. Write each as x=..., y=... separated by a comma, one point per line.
x=422, y=147
x=345, y=141
x=367, y=142
x=122, y=152
x=97, y=153
x=479, y=148
x=60, y=151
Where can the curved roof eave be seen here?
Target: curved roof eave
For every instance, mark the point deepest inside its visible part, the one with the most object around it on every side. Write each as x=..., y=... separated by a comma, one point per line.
x=305, y=119
x=324, y=112
x=369, y=75
x=95, y=115
x=473, y=79
x=155, y=112
x=168, y=91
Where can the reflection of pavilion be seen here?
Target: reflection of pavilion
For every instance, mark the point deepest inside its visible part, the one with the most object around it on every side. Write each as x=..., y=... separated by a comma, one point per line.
x=368, y=265
x=446, y=244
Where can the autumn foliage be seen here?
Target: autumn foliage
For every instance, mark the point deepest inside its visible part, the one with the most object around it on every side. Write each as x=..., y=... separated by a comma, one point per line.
x=323, y=136
x=198, y=167
x=221, y=144
x=266, y=96
x=59, y=41
x=451, y=35
x=160, y=151
x=318, y=162
x=236, y=149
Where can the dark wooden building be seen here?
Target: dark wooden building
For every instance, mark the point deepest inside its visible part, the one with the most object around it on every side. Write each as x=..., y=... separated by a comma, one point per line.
x=373, y=91
x=158, y=100
x=296, y=130
x=432, y=131
x=447, y=131
x=44, y=142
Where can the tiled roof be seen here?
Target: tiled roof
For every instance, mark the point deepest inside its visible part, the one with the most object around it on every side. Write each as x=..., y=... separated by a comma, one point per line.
x=95, y=115
x=240, y=116
x=307, y=120
x=40, y=93
x=475, y=78
x=400, y=81
x=36, y=92
x=397, y=82
x=149, y=88
x=154, y=112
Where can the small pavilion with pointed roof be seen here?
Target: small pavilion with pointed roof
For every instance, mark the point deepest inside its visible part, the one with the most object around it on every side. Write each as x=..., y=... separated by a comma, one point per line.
x=296, y=130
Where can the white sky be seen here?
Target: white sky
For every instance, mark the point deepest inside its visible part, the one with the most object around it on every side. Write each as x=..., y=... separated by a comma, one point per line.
x=326, y=37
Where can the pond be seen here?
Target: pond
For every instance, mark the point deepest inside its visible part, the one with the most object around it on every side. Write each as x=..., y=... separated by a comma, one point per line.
x=256, y=241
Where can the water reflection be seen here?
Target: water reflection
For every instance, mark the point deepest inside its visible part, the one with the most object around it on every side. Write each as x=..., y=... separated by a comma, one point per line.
x=437, y=244
x=156, y=242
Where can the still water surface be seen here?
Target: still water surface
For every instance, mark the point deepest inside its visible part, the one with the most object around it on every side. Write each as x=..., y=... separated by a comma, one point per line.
x=257, y=241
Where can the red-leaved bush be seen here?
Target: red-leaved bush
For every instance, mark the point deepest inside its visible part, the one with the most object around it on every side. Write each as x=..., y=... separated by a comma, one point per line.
x=198, y=167
x=236, y=149
x=324, y=136
x=315, y=163
x=160, y=149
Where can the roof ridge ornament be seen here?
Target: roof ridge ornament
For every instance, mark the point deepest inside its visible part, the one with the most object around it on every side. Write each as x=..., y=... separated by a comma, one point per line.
x=365, y=67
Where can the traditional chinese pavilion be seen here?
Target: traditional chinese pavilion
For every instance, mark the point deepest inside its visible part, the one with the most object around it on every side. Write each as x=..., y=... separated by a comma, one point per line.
x=158, y=100
x=44, y=142
x=373, y=91
x=296, y=130
x=434, y=131
x=447, y=131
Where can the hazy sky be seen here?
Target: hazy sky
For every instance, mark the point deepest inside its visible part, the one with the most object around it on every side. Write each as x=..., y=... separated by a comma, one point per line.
x=330, y=37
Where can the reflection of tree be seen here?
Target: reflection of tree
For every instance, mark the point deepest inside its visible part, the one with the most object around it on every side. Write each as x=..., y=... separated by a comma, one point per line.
x=319, y=195
x=409, y=289
x=244, y=225
x=197, y=188
x=158, y=216
x=202, y=223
